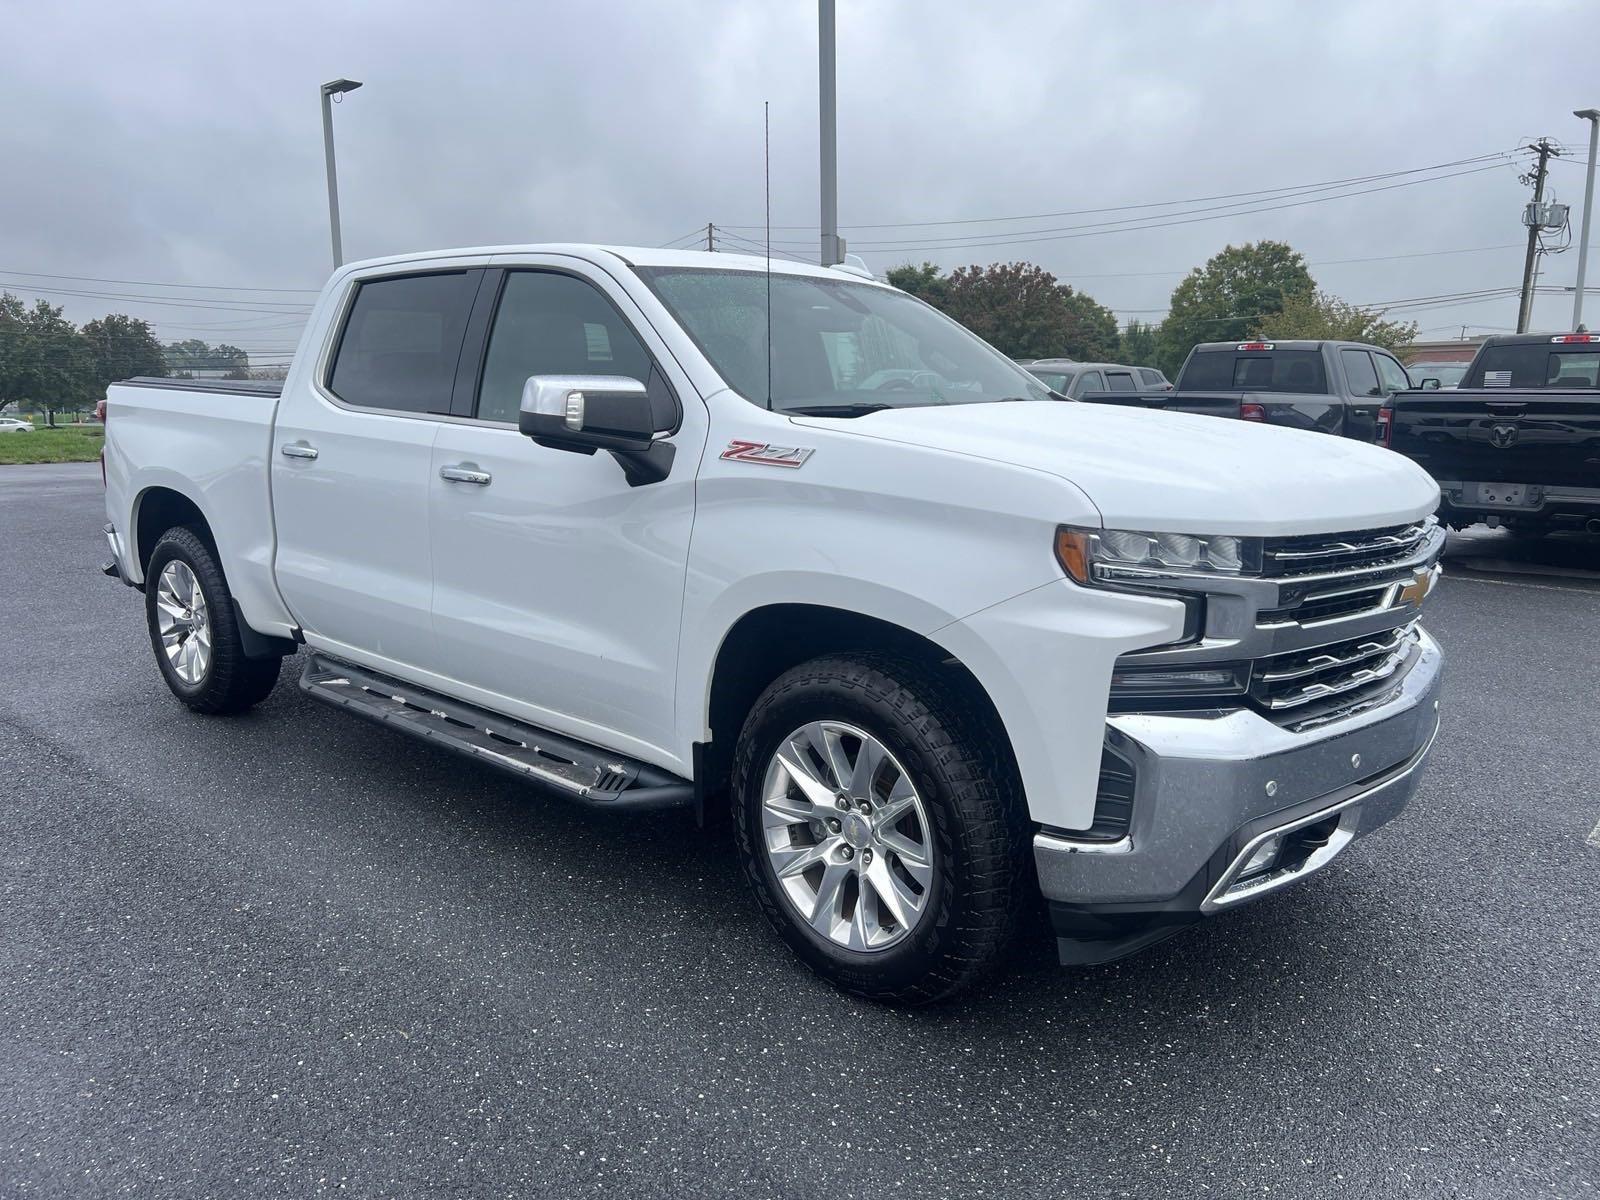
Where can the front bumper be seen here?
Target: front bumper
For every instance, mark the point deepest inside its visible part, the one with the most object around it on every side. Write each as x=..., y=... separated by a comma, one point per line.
x=1210, y=788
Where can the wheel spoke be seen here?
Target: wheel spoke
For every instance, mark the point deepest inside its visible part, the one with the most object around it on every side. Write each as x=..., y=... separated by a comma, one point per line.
x=825, y=909
x=789, y=861
x=814, y=789
x=859, y=936
x=868, y=758
x=893, y=897
x=829, y=744
x=886, y=816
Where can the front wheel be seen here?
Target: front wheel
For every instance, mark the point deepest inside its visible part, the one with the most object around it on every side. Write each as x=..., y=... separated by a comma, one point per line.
x=881, y=826
x=194, y=629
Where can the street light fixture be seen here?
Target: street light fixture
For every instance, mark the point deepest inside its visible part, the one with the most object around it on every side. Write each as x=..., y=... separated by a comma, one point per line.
x=329, y=90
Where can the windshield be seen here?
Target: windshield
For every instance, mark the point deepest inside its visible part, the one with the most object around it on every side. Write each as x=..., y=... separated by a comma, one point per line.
x=836, y=344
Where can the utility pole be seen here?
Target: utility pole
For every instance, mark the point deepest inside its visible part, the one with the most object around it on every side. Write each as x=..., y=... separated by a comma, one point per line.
x=1591, y=115
x=832, y=250
x=1525, y=308
x=711, y=236
x=331, y=89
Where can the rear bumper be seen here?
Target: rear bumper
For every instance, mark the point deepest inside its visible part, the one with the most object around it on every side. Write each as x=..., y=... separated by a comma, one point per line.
x=1550, y=503
x=1210, y=789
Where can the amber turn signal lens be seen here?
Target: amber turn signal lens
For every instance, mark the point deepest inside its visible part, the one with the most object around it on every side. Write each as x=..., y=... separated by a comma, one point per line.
x=1072, y=552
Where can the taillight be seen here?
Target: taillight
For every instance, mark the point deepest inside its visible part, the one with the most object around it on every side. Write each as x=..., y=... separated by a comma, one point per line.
x=100, y=415
x=100, y=411
x=1252, y=412
x=1254, y=346
x=1385, y=425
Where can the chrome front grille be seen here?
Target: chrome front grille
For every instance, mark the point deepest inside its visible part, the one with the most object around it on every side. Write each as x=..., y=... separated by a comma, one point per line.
x=1347, y=670
x=1322, y=553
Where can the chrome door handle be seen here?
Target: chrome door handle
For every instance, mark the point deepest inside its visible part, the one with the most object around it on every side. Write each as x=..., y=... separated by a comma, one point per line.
x=465, y=475
x=299, y=450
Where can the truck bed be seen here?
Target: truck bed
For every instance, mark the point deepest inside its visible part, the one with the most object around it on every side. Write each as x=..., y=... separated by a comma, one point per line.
x=207, y=442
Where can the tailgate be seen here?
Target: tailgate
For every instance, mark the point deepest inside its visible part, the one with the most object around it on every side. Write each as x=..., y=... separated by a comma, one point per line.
x=1206, y=404
x=1489, y=434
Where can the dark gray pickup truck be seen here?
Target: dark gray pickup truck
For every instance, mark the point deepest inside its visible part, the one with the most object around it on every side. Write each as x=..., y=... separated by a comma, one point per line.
x=1331, y=387
x=1517, y=443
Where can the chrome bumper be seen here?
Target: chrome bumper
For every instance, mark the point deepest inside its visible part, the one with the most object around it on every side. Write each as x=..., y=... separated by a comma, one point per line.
x=1210, y=787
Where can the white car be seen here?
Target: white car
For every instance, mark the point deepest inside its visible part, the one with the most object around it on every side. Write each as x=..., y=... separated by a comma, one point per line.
x=936, y=641
x=15, y=425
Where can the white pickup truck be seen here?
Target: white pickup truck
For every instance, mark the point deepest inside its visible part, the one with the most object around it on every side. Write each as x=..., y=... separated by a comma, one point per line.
x=664, y=529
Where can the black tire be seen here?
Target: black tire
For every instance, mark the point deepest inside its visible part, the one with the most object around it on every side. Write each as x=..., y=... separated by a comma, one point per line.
x=233, y=681
x=949, y=747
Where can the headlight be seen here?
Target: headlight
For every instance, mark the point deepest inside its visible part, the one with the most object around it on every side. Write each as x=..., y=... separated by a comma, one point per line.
x=1098, y=555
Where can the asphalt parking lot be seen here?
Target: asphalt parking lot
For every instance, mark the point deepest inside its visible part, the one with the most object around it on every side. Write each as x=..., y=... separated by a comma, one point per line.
x=292, y=953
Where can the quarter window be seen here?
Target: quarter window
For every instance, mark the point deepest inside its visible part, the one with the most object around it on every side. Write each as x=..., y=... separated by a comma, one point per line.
x=553, y=324
x=401, y=341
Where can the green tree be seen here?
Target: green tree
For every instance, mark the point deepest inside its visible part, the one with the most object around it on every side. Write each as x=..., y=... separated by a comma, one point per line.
x=1019, y=308
x=192, y=354
x=45, y=362
x=1321, y=316
x=123, y=347
x=925, y=282
x=1095, y=338
x=1228, y=299
x=1139, y=345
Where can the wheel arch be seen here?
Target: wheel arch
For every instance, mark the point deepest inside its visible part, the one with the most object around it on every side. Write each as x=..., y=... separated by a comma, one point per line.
x=768, y=640
x=158, y=508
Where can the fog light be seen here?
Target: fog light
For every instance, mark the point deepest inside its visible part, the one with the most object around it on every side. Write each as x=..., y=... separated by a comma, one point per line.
x=1263, y=859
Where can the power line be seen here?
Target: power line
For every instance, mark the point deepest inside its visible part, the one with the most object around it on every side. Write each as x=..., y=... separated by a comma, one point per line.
x=1140, y=224
x=210, y=287
x=1300, y=187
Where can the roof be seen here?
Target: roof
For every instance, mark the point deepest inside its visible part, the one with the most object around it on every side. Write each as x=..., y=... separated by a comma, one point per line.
x=637, y=256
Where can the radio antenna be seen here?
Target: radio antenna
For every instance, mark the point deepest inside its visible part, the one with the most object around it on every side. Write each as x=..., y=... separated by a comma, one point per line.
x=766, y=152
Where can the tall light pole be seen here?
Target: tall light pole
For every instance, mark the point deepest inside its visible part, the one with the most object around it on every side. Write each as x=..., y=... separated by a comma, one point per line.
x=1591, y=115
x=832, y=251
x=329, y=91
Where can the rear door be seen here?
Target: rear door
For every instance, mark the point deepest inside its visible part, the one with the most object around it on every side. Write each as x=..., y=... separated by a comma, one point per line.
x=351, y=464
x=1367, y=389
x=558, y=588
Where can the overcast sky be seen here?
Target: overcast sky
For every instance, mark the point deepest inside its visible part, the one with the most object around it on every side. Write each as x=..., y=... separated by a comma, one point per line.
x=171, y=144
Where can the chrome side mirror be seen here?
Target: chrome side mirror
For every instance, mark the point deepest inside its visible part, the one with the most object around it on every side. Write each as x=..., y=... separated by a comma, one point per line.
x=585, y=413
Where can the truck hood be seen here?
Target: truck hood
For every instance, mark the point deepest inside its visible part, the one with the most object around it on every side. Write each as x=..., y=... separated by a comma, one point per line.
x=1174, y=472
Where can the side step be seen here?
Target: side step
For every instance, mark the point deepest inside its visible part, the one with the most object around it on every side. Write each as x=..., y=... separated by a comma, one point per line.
x=593, y=777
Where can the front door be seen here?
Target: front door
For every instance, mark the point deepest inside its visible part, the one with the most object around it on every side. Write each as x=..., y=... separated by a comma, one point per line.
x=557, y=587
x=352, y=458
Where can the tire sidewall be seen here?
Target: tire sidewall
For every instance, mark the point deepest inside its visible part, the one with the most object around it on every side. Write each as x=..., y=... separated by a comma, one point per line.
x=909, y=960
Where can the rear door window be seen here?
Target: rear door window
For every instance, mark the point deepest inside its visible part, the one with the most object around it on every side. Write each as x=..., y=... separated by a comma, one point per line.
x=401, y=341
x=1359, y=373
x=1120, y=381
x=1090, y=381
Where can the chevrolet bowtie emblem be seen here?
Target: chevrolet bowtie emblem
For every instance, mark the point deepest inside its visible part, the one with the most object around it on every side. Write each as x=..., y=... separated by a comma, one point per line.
x=1416, y=590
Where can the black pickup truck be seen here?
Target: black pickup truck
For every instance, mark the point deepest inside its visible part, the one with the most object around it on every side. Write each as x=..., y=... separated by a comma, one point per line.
x=1341, y=388
x=1517, y=443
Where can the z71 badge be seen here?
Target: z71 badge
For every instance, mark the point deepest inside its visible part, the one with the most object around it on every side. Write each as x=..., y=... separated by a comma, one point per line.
x=766, y=454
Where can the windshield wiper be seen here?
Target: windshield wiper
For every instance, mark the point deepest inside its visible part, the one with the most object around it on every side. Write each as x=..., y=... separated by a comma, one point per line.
x=837, y=410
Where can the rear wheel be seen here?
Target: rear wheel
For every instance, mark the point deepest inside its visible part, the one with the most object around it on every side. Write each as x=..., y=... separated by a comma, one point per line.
x=881, y=826
x=194, y=629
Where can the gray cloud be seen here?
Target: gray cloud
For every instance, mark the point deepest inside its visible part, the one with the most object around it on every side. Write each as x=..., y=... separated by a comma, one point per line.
x=180, y=142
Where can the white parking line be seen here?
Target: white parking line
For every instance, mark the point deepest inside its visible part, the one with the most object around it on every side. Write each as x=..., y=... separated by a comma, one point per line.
x=1594, y=836
x=1538, y=587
